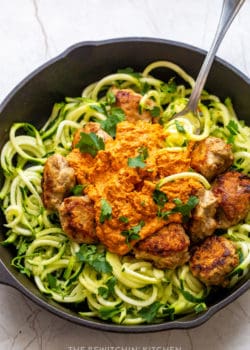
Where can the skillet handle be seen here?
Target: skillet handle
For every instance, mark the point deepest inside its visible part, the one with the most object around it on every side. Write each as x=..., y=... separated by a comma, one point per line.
x=6, y=278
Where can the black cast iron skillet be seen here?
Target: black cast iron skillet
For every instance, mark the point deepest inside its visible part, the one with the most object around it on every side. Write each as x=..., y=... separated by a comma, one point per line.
x=67, y=75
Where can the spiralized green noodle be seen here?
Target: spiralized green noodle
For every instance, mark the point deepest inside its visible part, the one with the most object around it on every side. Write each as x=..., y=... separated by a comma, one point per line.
x=134, y=291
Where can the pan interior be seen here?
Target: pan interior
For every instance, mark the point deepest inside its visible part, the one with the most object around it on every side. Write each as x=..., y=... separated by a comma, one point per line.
x=67, y=75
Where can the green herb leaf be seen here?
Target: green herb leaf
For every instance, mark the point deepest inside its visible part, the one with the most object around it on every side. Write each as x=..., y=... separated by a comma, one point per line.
x=133, y=232
x=149, y=313
x=164, y=214
x=115, y=116
x=106, y=211
x=145, y=87
x=168, y=311
x=138, y=162
x=51, y=280
x=108, y=312
x=78, y=190
x=233, y=127
x=124, y=219
x=160, y=198
x=200, y=307
x=241, y=255
x=90, y=143
x=107, y=290
x=170, y=87
x=100, y=108
x=185, y=209
x=110, y=97
x=97, y=259
x=179, y=127
x=155, y=112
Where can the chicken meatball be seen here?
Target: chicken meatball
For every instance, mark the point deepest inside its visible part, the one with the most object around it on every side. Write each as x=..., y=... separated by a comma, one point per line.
x=232, y=190
x=129, y=101
x=58, y=180
x=77, y=219
x=211, y=157
x=203, y=221
x=88, y=128
x=213, y=260
x=167, y=248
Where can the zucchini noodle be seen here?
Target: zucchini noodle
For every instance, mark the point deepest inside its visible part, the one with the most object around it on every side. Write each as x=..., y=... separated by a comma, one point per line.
x=194, y=175
x=133, y=291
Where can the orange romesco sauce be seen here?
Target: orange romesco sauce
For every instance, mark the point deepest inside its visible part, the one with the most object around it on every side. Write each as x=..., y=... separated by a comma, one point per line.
x=128, y=190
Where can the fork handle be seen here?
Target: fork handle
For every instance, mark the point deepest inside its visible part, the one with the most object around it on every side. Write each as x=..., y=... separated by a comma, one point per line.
x=229, y=10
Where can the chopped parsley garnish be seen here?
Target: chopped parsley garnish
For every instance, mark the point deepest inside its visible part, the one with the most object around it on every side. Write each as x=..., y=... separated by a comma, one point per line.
x=145, y=87
x=170, y=87
x=108, y=312
x=90, y=143
x=136, y=162
x=124, y=219
x=200, y=307
x=169, y=312
x=148, y=313
x=89, y=254
x=155, y=111
x=115, y=116
x=133, y=232
x=78, y=190
x=139, y=161
x=241, y=255
x=100, y=108
x=107, y=290
x=185, y=208
x=106, y=211
x=233, y=128
x=160, y=198
x=163, y=214
x=110, y=98
x=179, y=127
x=51, y=280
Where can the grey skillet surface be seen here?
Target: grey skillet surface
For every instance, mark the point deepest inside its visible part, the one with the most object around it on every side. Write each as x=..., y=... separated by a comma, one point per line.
x=66, y=75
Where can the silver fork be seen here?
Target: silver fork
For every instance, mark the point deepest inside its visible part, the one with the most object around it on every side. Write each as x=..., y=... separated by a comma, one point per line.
x=230, y=9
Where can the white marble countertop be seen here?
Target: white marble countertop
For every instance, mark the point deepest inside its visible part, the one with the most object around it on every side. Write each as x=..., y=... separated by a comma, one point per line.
x=33, y=31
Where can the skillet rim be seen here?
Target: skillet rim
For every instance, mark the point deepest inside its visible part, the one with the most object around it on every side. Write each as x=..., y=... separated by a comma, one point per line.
x=11, y=280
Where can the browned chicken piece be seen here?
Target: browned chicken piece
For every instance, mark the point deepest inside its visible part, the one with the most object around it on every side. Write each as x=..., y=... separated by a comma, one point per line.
x=77, y=219
x=213, y=260
x=58, y=180
x=211, y=157
x=167, y=248
x=203, y=221
x=88, y=128
x=233, y=192
x=129, y=101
